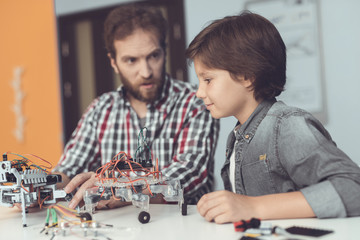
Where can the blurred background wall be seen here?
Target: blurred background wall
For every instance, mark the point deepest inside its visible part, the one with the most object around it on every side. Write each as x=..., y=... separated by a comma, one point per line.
x=29, y=79
x=28, y=40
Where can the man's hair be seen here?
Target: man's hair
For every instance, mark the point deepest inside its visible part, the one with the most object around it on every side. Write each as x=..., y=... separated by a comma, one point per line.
x=247, y=44
x=124, y=20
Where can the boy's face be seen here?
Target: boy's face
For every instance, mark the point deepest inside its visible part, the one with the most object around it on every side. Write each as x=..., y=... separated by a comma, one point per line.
x=222, y=95
x=140, y=62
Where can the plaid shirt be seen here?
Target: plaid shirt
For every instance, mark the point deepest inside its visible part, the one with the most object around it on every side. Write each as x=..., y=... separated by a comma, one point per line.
x=180, y=132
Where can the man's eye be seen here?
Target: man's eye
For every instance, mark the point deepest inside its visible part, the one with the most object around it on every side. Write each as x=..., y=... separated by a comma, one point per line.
x=208, y=80
x=155, y=55
x=130, y=60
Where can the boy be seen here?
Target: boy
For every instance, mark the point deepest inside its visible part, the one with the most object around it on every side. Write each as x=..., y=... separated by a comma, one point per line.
x=280, y=161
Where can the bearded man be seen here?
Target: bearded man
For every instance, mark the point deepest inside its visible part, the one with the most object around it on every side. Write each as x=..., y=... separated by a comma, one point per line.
x=180, y=131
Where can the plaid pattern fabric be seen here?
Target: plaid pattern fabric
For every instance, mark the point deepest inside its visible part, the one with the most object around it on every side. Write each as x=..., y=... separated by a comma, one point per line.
x=180, y=132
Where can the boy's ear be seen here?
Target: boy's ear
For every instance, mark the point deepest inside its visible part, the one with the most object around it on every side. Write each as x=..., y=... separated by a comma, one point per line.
x=247, y=81
x=113, y=63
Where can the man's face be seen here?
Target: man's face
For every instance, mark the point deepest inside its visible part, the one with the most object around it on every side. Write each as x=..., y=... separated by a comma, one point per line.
x=140, y=62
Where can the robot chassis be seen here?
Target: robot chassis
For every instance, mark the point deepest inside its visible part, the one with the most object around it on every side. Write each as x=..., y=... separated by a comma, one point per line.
x=130, y=189
x=27, y=186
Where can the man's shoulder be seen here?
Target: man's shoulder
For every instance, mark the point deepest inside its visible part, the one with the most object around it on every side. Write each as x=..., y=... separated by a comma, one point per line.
x=183, y=95
x=106, y=99
x=179, y=86
x=112, y=95
x=185, y=91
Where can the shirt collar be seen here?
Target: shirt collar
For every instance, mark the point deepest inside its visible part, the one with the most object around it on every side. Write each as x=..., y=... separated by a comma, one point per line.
x=248, y=129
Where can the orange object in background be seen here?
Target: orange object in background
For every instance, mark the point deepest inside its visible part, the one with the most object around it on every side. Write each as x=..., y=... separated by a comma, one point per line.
x=28, y=40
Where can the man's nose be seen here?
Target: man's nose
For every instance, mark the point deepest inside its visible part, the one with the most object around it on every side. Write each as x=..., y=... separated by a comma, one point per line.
x=146, y=70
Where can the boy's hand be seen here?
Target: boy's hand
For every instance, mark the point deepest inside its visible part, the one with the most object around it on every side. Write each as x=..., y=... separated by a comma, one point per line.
x=225, y=206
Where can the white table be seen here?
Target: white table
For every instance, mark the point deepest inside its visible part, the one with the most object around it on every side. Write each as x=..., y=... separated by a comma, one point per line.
x=166, y=223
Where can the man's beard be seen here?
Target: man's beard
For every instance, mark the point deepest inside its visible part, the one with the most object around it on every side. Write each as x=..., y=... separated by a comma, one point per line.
x=136, y=93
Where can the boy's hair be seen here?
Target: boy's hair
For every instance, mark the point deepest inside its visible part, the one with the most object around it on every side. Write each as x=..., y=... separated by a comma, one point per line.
x=246, y=44
x=124, y=20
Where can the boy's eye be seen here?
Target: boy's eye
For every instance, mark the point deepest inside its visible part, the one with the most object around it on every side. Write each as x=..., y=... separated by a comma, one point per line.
x=208, y=80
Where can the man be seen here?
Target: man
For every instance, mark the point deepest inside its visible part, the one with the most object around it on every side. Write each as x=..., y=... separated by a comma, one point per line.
x=180, y=132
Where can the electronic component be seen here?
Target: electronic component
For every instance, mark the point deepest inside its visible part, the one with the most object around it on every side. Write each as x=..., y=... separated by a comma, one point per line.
x=305, y=231
x=243, y=225
x=255, y=227
x=61, y=220
x=22, y=181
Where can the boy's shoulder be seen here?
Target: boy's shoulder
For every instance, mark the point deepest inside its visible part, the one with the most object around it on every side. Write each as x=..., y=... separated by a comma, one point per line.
x=280, y=109
x=293, y=117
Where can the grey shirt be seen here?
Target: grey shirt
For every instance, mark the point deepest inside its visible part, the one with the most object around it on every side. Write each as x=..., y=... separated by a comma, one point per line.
x=284, y=149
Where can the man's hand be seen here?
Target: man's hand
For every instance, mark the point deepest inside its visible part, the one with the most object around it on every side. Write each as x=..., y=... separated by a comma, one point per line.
x=83, y=181
x=225, y=206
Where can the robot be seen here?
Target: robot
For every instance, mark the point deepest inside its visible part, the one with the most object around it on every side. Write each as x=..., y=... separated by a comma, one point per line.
x=134, y=179
x=26, y=183
x=126, y=179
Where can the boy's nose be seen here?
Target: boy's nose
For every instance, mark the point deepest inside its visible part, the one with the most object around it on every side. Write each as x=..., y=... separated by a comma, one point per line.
x=200, y=92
